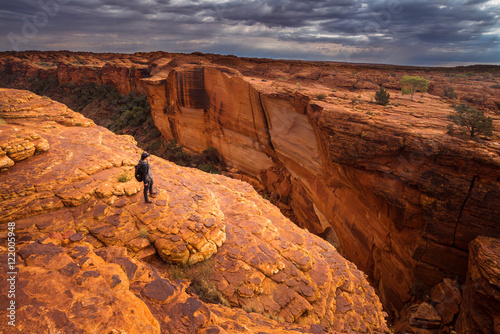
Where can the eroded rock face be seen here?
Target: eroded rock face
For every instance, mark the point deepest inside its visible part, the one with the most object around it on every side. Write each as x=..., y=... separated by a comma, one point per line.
x=481, y=297
x=402, y=205
x=394, y=192
x=76, y=186
x=80, y=289
x=79, y=193
x=75, y=291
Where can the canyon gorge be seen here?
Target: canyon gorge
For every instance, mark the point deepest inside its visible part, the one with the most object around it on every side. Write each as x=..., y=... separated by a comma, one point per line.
x=387, y=186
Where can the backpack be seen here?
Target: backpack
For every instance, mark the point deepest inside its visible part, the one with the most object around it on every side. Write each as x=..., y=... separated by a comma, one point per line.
x=138, y=173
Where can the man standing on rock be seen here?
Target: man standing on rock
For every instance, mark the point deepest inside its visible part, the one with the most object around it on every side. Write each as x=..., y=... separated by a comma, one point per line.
x=147, y=177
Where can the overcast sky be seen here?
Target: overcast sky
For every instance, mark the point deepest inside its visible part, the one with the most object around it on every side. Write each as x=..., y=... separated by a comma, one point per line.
x=416, y=32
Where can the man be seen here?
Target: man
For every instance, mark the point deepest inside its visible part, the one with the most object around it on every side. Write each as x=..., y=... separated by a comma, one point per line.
x=147, y=177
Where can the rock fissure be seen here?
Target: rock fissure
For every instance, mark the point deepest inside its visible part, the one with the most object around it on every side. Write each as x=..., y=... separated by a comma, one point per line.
x=266, y=122
x=463, y=206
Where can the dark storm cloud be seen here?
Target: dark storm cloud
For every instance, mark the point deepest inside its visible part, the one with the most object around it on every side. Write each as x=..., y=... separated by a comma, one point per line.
x=387, y=31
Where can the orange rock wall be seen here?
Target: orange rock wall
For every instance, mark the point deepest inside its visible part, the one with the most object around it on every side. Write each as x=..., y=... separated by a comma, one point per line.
x=401, y=202
x=402, y=208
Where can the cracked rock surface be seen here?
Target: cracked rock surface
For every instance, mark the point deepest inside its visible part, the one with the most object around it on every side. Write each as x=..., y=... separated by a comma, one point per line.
x=84, y=235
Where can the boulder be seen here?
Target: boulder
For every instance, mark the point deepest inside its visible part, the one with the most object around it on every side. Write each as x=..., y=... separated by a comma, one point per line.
x=446, y=298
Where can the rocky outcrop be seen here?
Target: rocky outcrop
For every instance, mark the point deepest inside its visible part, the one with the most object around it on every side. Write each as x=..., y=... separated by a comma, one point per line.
x=481, y=297
x=19, y=144
x=80, y=289
x=387, y=185
x=79, y=194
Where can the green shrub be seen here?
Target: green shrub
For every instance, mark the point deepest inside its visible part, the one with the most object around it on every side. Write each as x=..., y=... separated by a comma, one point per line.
x=321, y=96
x=155, y=147
x=382, y=96
x=208, y=168
x=211, y=155
x=79, y=60
x=471, y=120
x=411, y=84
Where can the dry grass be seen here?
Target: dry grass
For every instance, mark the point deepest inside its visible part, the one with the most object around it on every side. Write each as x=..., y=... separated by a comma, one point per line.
x=199, y=274
x=124, y=177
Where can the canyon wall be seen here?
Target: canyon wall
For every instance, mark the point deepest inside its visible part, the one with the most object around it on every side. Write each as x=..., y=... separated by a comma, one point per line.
x=386, y=185
x=402, y=205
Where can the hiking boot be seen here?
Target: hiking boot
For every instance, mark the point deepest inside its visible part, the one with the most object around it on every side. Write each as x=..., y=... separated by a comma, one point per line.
x=148, y=201
x=153, y=194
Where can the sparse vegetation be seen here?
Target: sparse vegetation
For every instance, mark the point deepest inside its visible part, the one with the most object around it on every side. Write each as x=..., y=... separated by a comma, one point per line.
x=2, y=121
x=449, y=92
x=143, y=233
x=382, y=96
x=356, y=100
x=208, y=168
x=45, y=64
x=200, y=276
x=321, y=96
x=471, y=121
x=411, y=84
x=155, y=147
x=133, y=111
x=208, y=161
x=79, y=60
x=124, y=177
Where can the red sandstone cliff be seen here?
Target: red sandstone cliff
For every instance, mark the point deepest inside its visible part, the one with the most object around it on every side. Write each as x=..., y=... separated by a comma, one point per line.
x=394, y=192
x=83, y=232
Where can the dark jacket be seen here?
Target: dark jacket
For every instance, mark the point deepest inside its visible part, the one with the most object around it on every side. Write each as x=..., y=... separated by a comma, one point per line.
x=146, y=171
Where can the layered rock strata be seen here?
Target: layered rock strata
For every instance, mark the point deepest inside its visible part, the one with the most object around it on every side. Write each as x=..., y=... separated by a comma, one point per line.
x=396, y=194
x=386, y=185
x=80, y=193
x=481, y=296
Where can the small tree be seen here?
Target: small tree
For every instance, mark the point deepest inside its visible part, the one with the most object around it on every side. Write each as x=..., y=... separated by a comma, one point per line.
x=411, y=84
x=473, y=120
x=382, y=96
